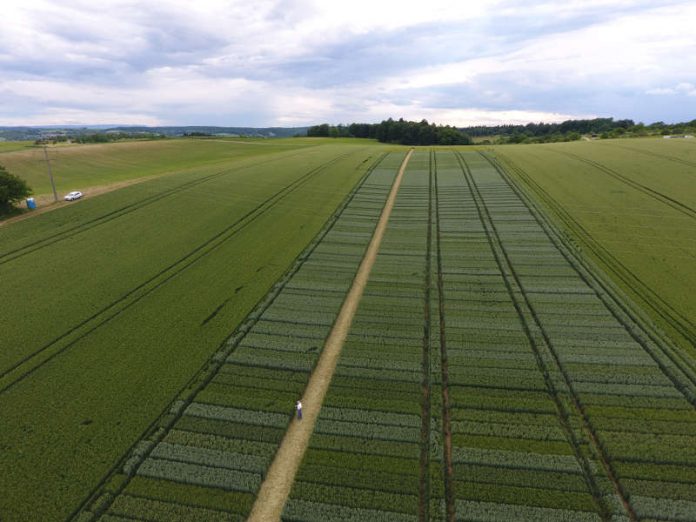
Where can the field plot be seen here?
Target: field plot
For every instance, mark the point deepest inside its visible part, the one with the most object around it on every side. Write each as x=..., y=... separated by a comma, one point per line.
x=76, y=167
x=491, y=372
x=11, y=146
x=365, y=460
x=630, y=205
x=515, y=453
x=122, y=299
x=626, y=399
x=207, y=458
x=540, y=370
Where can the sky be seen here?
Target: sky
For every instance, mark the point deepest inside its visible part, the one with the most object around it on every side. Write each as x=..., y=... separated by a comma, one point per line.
x=302, y=62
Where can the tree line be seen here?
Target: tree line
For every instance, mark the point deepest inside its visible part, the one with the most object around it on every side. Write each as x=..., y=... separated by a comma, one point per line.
x=424, y=133
x=395, y=131
x=569, y=130
x=98, y=137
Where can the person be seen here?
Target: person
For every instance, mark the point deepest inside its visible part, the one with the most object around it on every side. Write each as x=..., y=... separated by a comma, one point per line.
x=298, y=407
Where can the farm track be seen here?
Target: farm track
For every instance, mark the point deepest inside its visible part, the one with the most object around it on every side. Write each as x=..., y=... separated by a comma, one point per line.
x=426, y=416
x=37, y=359
x=657, y=155
x=158, y=429
x=280, y=476
x=680, y=323
x=11, y=255
x=659, y=196
x=524, y=309
x=625, y=316
x=448, y=467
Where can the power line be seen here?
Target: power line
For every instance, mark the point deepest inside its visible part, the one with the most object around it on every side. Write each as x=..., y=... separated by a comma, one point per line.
x=50, y=174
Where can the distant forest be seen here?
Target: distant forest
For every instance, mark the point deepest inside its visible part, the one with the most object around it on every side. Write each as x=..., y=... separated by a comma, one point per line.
x=395, y=131
x=424, y=133
x=570, y=130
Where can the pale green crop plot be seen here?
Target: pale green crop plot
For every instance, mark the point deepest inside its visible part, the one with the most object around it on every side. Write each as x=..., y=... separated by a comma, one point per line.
x=76, y=167
x=631, y=206
x=11, y=146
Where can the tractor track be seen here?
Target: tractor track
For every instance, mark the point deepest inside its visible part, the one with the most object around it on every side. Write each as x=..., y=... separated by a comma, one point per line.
x=11, y=255
x=681, y=324
x=448, y=468
x=157, y=430
x=621, y=312
x=656, y=155
x=16, y=373
x=515, y=288
x=659, y=196
x=426, y=415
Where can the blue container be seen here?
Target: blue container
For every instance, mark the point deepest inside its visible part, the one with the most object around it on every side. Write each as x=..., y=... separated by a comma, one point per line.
x=31, y=203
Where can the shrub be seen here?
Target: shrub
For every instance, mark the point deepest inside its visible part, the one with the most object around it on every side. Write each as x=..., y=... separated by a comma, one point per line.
x=12, y=190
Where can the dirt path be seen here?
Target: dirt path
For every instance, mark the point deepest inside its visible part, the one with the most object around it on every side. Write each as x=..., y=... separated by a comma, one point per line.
x=275, y=489
x=45, y=202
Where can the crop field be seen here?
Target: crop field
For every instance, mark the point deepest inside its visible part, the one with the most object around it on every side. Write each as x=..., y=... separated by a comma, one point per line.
x=121, y=299
x=495, y=368
x=11, y=146
x=76, y=167
x=630, y=205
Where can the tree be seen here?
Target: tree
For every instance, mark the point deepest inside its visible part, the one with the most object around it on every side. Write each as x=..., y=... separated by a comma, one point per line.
x=12, y=190
x=321, y=131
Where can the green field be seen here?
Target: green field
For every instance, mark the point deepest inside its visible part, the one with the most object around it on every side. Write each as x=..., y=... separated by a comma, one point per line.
x=121, y=299
x=12, y=146
x=630, y=205
x=502, y=364
x=76, y=167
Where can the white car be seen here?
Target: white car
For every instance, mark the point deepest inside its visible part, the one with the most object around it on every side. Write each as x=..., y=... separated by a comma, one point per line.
x=73, y=196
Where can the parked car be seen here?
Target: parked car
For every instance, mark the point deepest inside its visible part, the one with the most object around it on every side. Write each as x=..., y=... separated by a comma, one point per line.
x=73, y=196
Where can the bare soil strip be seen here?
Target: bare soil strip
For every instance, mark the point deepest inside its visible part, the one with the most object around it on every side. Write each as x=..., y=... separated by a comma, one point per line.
x=276, y=487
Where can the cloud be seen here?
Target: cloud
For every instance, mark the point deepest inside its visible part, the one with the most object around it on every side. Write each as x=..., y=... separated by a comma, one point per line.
x=298, y=62
x=682, y=88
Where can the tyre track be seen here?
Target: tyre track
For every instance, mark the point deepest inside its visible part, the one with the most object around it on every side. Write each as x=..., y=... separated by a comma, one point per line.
x=424, y=482
x=448, y=467
x=682, y=324
x=11, y=255
x=38, y=358
x=515, y=289
x=659, y=196
x=617, y=308
x=655, y=155
x=158, y=429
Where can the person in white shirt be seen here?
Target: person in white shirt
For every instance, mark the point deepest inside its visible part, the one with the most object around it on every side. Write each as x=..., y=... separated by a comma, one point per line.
x=298, y=407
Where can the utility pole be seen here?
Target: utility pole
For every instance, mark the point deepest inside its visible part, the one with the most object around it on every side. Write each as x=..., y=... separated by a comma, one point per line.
x=50, y=174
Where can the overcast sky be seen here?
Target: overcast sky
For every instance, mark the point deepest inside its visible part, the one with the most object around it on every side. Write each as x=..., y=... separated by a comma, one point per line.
x=300, y=62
